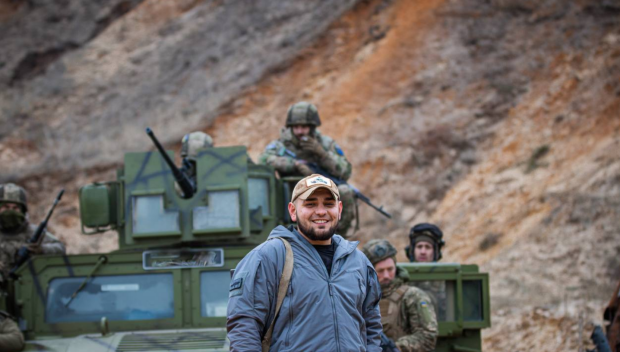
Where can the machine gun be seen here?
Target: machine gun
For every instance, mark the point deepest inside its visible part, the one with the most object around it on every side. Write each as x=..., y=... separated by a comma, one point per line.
x=387, y=345
x=23, y=254
x=338, y=181
x=187, y=185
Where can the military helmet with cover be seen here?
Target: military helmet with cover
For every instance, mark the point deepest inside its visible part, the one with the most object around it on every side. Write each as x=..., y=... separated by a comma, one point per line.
x=12, y=193
x=303, y=113
x=378, y=249
x=195, y=142
x=425, y=232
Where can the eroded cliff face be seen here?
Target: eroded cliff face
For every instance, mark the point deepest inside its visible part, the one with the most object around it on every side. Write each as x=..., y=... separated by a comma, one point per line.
x=495, y=119
x=81, y=84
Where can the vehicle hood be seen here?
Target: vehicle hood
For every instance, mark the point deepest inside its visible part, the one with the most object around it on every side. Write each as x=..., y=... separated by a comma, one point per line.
x=193, y=340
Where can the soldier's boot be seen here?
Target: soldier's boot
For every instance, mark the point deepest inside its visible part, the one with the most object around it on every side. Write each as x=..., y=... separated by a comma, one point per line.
x=348, y=210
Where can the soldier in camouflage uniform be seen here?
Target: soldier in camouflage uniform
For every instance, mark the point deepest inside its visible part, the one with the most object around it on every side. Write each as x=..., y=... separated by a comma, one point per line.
x=407, y=313
x=301, y=145
x=11, y=338
x=15, y=230
x=426, y=241
x=191, y=145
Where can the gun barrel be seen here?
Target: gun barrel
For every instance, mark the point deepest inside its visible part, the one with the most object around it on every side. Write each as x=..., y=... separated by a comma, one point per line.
x=187, y=186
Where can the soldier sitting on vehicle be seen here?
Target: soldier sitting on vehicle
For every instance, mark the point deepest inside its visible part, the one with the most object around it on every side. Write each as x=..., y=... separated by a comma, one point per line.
x=407, y=314
x=15, y=230
x=191, y=145
x=301, y=147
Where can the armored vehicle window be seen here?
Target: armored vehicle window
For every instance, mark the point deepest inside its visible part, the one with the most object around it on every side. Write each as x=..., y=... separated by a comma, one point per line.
x=472, y=300
x=259, y=194
x=149, y=215
x=222, y=211
x=122, y=297
x=214, y=293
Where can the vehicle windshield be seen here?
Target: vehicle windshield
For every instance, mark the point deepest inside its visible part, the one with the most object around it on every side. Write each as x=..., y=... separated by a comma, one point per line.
x=130, y=297
x=119, y=297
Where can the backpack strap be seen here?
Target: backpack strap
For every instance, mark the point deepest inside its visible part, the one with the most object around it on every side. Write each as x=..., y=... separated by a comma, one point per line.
x=285, y=279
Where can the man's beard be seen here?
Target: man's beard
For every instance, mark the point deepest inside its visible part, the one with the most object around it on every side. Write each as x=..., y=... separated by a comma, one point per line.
x=311, y=234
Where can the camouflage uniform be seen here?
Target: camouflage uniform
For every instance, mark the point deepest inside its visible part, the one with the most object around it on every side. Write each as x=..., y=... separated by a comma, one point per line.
x=11, y=240
x=282, y=154
x=408, y=316
x=10, y=243
x=436, y=289
x=11, y=338
x=192, y=144
x=407, y=313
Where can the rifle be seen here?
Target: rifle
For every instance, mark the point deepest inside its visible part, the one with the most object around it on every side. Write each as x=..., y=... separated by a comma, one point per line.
x=188, y=187
x=387, y=345
x=338, y=181
x=600, y=340
x=23, y=254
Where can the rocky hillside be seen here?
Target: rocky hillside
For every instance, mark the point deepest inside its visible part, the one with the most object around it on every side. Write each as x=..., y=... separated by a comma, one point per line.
x=495, y=119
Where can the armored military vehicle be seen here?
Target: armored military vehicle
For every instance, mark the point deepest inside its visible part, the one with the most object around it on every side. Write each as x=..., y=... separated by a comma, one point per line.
x=166, y=287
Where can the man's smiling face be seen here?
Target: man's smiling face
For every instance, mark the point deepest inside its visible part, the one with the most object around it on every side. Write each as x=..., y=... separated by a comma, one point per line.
x=316, y=216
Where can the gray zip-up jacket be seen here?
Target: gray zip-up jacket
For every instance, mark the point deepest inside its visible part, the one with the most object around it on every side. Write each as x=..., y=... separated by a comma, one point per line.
x=337, y=313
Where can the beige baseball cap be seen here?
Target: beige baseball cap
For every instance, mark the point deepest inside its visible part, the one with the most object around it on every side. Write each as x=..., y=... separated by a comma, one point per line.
x=309, y=184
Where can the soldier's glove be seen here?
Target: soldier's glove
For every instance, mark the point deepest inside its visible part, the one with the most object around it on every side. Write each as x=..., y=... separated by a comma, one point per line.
x=311, y=145
x=34, y=248
x=303, y=168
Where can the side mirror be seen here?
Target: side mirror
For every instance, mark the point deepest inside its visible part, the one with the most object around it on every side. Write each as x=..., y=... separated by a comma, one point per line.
x=97, y=208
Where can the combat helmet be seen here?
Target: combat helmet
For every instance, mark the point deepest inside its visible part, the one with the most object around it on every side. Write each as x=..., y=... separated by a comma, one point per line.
x=377, y=250
x=12, y=193
x=303, y=113
x=195, y=142
x=425, y=230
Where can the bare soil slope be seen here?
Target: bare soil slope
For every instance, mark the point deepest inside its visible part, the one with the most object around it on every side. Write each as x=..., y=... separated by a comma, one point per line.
x=495, y=119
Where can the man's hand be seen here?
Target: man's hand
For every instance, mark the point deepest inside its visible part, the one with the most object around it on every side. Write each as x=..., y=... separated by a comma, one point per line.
x=387, y=344
x=311, y=145
x=303, y=168
x=34, y=248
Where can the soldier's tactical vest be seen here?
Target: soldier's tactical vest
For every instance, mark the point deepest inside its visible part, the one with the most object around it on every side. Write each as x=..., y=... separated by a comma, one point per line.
x=392, y=316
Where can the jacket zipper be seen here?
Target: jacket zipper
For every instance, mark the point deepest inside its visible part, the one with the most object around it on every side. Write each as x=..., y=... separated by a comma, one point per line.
x=331, y=296
x=290, y=313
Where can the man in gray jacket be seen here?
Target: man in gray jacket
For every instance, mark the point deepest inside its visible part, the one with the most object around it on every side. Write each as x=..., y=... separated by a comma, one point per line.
x=332, y=300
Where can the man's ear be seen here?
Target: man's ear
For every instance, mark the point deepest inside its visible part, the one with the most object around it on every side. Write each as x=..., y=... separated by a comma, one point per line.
x=291, y=212
x=339, y=210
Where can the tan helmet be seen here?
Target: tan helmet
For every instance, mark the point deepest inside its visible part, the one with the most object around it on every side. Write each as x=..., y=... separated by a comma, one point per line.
x=12, y=193
x=302, y=113
x=378, y=250
x=195, y=142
